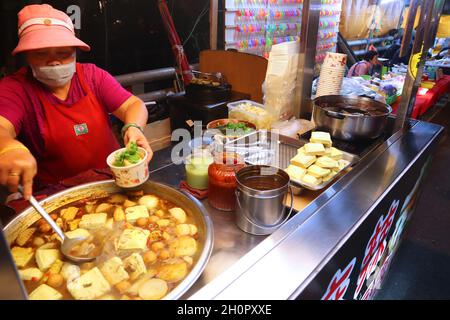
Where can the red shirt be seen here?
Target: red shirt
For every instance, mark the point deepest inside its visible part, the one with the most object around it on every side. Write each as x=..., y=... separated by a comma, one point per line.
x=24, y=110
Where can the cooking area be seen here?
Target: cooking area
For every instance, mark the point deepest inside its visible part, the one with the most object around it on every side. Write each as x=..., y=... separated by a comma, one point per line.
x=256, y=181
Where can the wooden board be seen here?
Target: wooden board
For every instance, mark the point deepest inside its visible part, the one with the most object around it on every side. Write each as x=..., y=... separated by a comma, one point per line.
x=245, y=72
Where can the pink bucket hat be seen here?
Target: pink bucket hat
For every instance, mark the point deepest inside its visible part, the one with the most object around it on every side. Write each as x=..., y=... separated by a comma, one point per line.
x=42, y=26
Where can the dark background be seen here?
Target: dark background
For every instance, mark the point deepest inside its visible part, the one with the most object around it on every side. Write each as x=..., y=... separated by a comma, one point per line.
x=125, y=35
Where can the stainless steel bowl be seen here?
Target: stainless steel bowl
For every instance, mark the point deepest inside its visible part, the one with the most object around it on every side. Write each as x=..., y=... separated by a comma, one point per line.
x=350, y=118
x=105, y=188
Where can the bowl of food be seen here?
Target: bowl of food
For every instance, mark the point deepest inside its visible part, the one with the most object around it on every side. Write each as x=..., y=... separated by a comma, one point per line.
x=157, y=241
x=129, y=165
x=231, y=128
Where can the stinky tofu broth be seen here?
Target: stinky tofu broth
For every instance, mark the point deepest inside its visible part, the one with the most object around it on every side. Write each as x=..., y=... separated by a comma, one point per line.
x=148, y=246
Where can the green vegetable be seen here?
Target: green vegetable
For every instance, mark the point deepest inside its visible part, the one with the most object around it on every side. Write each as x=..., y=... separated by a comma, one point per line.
x=130, y=156
x=235, y=128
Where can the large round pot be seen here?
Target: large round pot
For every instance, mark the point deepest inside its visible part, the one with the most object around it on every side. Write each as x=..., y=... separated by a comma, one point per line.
x=350, y=118
x=105, y=188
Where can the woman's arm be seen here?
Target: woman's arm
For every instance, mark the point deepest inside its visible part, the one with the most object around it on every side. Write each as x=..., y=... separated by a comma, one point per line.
x=133, y=110
x=17, y=164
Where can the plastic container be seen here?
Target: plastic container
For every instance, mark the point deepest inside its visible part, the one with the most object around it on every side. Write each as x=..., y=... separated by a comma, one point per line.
x=252, y=112
x=197, y=170
x=129, y=176
x=222, y=180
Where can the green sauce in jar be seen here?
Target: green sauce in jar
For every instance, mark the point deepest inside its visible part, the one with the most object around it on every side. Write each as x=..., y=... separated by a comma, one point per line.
x=197, y=170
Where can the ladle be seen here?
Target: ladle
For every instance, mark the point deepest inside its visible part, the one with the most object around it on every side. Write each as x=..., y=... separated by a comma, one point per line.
x=67, y=244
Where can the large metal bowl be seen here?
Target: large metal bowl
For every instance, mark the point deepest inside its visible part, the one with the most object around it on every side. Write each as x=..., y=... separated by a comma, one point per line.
x=367, y=120
x=105, y=188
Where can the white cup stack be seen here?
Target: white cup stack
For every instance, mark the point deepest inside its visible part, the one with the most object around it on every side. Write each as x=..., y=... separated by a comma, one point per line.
x=331, y=74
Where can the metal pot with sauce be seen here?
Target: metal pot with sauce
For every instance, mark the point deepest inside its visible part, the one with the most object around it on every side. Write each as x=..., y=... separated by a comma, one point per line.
x=350, y=118
x=194, y=214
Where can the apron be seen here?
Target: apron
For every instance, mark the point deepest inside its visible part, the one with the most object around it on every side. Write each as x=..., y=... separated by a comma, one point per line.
x=76, y=138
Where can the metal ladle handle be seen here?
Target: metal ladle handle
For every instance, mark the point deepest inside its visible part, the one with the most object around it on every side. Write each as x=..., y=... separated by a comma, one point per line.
x=264, y=227
x=44, y=215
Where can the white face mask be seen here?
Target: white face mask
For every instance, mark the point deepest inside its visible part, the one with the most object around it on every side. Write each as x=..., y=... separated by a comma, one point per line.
x=55, y=76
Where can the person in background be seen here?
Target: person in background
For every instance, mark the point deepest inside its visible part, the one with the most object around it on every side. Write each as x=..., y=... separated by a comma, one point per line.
x=398, y=36
x=54, y=114
x=365, y=66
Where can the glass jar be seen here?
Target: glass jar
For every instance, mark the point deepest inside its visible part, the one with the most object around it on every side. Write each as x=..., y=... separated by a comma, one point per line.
x=222, y=180
x=197, y=170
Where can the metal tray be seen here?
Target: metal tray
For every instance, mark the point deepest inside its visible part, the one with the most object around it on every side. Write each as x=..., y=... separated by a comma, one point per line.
x=269, y=148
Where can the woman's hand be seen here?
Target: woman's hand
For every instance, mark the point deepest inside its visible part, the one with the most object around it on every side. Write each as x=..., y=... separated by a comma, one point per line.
x=134, y=134
x=18, y=166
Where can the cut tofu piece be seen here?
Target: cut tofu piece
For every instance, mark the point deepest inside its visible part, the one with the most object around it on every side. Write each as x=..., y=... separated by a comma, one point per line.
x=107, y=297
x=311, y=180
x=301, y=150
x=317, y=171
x=295, y=172
x=178, y=214
x=114, y=271
x=149, y=201
x=46, y=257
x=330, y=176
x=133, y=239
x=314, y=149
x=336, y=154
x=327, y=162
x=70, y=272
x=25, y=236
x=135, y=265
x=303, y=161
x=31, y=274
x=45, y=292
x=109, y=223
x=136, y=212
x=93, y=221
x=22, y=256
x=89, y=286
x=77, y=233
x=69, y=214
x=321, y=137
x=327, y=152
x=343, y=163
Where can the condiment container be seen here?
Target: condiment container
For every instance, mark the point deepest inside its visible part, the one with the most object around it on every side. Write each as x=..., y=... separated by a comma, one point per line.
x=197, y=170
x=222, y=180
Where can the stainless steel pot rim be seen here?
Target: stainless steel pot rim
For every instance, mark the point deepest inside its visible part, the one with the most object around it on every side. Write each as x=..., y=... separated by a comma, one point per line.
x=262, y=192
x=386, y=106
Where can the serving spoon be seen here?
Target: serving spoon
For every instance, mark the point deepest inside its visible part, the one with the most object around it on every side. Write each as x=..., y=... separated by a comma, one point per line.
x=67, y=244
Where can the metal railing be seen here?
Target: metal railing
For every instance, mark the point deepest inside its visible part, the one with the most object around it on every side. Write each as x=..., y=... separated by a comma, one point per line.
x=137, y=80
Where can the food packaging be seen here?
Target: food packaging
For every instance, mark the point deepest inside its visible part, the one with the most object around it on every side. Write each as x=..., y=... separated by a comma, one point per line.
x=129, y=176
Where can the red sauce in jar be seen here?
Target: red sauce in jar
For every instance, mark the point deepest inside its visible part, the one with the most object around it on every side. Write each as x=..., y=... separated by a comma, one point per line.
x=222, y=180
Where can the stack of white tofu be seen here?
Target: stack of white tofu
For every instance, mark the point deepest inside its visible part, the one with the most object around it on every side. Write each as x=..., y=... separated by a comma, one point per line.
x=317, y=161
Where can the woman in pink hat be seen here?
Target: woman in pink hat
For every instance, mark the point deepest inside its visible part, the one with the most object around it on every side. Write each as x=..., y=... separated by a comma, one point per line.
x=54, y=114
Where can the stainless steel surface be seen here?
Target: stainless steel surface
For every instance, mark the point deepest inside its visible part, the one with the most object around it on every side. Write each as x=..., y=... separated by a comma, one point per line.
x=430, y=12
x=285, y=262
x=104, y=188
x=130, y=79
x=348, y=126
x=307, y=56
x=278, y=150
x=261, y=211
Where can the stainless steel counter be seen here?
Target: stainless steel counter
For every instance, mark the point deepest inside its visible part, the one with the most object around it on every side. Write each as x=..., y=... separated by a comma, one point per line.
x=282, y=265
x=230, y=243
